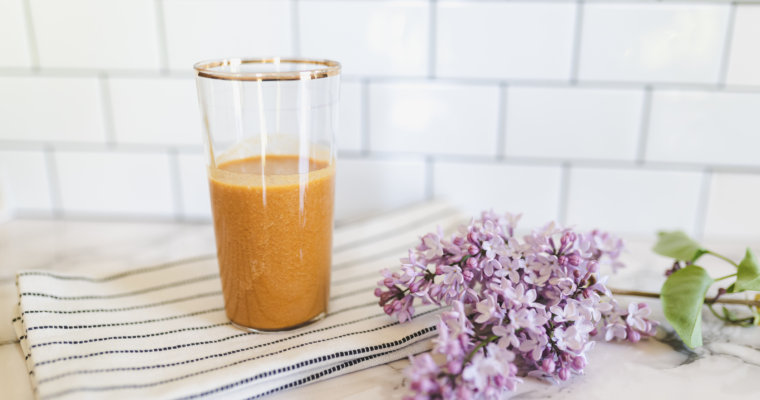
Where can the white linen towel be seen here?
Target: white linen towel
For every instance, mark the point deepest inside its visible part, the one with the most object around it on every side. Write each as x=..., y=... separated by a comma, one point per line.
x=161, y=331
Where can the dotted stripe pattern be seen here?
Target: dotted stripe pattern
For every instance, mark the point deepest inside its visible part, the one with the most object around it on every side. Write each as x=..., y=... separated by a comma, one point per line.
x=138, y=307
x=137, y=271
x=126, y=294
x=212, y=356
x=130, y=323
x=155, y=334
x=314, y=361
x=321, y=374
x=193, y=344
x=267, y=374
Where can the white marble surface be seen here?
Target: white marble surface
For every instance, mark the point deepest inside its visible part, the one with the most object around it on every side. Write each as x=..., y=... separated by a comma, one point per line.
x=728, y=366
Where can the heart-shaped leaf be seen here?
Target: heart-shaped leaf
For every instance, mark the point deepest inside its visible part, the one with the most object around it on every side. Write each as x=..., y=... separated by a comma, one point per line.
x=683, y=295
x=748, y=274
x=678, y=245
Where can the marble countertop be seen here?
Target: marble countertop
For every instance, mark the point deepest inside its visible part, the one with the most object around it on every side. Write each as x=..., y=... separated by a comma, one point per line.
x=727, y=366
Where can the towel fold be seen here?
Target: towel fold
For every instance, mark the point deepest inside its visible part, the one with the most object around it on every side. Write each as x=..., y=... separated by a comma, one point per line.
x=161, y=331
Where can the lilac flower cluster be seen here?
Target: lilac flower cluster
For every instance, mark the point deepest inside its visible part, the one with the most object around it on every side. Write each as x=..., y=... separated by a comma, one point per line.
x=517, y=306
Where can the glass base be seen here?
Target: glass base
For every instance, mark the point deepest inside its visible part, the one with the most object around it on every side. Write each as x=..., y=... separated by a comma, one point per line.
x=316, y=318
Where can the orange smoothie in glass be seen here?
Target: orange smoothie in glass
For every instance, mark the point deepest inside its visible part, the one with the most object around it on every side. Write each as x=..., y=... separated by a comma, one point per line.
x=273, y=222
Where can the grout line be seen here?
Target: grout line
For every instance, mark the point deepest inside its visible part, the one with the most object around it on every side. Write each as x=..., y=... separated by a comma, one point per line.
x=364, y=143
x=295, y=24
x=702, y=204
x=54, y=185
x=501, y=129
x=578, y=31
x=31, y=36
x=432, y=37
x=127, y=148
x=725, y=57
x=646, y=112
x=429, y=177
x=174, y=173
x=163, y=48
x=564, y=193
x=107, y=110
x=538, y=83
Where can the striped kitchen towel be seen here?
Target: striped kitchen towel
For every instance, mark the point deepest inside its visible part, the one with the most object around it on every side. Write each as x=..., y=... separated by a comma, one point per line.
x=161, y=331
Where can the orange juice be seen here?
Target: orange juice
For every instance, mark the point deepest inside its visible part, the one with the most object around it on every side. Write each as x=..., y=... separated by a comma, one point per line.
x=273, y=224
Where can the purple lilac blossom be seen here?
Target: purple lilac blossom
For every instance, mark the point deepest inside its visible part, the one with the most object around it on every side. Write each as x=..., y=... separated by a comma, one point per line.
x=518, y=306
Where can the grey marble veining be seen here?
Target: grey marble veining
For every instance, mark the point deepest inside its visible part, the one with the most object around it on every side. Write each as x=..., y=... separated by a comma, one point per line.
x=726, y=367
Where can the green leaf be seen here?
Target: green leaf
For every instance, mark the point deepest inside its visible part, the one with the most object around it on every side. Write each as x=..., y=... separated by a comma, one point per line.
x=683, y=295
x=728, y=314
x=678, y=245
x=747, y=275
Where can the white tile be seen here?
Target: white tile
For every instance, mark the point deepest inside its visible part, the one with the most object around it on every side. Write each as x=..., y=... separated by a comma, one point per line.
x=367, y=186
x=633, y=201
x=652, y=42
x=24, y=180
x=349, y=136
x=195, y=197
x=533, y=191
x=14, y=46
x=114, y=183
x=51, y=109
x=434, y=118
x=732, y=208
x=155, y=111
x=110, y=34
x=504, y=39
x=704, y=127
x=199, y=30
x=367, y=37
x=744, y=61
x=573, y=123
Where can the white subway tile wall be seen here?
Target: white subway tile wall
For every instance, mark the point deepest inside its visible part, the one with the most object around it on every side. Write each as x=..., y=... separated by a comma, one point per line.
x=705, y=127
x=633, y=200
x=51, y=109
x=24, y=175
x=368, y=37
x=501, y=40
x=13, y=53
x=573, y=123
x=653, y=42
x=433, y=118
x=630, y=116
x=744, y=61
x=115, y=182
x=155, y=111
x=534, y=191
x=96, y=34
x=366, y=186
x=194, y=195
x=732, y=209
x=199, y=30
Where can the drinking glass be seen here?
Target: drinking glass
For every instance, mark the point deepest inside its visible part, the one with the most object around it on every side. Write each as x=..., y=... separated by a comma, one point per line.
x=269, y=128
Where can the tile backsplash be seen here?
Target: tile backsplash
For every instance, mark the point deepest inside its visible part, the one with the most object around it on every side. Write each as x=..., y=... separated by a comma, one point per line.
x=625, y=115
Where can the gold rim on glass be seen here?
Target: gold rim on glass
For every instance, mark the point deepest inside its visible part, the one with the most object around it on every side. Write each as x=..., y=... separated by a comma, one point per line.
x=207, y=69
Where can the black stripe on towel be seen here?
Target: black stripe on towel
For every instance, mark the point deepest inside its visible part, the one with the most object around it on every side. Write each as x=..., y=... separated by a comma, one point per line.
x=131, y=272
x=212, y=356
x=322, y=374
x=127, y=294
x=196, y=328
x=314, y=361
x=205, y=342
x=146, y=321
x=138, y=307
x=270, y=373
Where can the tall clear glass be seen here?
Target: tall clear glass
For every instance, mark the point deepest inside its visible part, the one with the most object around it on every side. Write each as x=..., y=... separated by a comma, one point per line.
x=269, y=132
